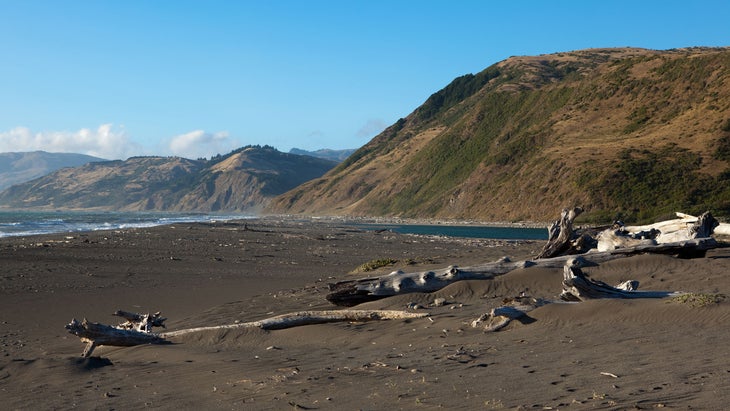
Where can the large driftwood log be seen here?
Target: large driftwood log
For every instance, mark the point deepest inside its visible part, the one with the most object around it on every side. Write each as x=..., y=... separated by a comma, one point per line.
x=685, y=227
x=578, y=287
x=687, y=237
x=96, y=334
x=561, y=234
x=124, y=335
x=353, y=292
x=308, y=318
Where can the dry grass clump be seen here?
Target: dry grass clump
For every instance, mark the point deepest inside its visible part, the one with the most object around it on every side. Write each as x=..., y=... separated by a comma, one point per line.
x=699, y=299
x=373, y=265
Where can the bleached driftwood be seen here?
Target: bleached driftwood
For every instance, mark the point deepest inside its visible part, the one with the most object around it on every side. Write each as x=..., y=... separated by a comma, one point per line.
x=683, y=222
x=308, y=318
x=578, y=287
x=353, y=292
x=687, y=238
x=683, y=228
x=140, y=322
x=95, y=334
x=561, y=234
x=500, y=317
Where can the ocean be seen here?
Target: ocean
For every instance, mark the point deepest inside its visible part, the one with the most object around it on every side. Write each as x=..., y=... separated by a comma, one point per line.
x=26, y=223
x=465, y=231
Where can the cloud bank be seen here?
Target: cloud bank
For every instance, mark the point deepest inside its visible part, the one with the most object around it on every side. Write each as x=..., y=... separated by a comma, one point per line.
x=113, y=143
x=107, y=142
x=199, y=143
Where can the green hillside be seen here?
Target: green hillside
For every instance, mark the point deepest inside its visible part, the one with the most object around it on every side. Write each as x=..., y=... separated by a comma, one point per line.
x=626, y=133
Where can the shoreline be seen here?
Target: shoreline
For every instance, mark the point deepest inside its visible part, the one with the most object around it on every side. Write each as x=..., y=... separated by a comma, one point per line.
x=212, y=218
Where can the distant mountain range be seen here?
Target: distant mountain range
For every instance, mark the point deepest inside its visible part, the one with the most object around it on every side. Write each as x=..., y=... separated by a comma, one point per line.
x=21, y=167
x=626, y=133
x=244, y=180
x=334, y=155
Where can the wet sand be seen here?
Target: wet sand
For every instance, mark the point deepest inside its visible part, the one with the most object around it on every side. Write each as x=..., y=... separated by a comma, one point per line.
x=607, y=354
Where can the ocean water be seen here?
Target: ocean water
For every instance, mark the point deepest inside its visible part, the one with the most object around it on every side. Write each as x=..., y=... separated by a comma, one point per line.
x=466, y=231
x=24, y=223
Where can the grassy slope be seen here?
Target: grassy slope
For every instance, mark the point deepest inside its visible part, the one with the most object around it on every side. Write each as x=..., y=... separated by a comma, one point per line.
x=627, y=133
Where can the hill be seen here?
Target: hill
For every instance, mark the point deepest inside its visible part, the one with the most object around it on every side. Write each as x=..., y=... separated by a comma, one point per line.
x=626, y=133
x=243, y=180
x=328, y=154
x=21, y=167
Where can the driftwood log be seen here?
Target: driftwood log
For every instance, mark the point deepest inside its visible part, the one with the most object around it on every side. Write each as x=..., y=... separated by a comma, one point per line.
x=353, y=292
x=685, y=237
x=577, y=287
x=683, y=228
x=126, y=335
x=96, y=334
x=561, y=235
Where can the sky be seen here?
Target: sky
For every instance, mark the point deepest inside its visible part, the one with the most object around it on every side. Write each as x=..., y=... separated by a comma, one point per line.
x=116, y=79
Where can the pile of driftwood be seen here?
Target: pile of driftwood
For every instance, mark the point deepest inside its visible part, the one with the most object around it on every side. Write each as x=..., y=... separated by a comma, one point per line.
x=685, y=237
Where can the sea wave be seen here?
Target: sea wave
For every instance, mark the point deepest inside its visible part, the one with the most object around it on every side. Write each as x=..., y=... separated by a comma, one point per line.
x=27, y=223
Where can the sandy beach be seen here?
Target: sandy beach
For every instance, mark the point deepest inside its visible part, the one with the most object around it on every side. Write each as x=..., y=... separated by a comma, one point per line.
x=603, y=354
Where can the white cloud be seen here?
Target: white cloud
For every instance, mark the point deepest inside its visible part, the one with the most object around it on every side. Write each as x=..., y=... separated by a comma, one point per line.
x=199, y=143
x=107, y=141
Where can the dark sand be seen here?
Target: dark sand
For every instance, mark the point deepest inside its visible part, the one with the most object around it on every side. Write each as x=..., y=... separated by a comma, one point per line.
x=637, y=354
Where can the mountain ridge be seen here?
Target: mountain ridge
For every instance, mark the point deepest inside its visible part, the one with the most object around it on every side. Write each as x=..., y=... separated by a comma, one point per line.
x=19, y=167
x=244, y=180
x=328, y=154
x=626, y=133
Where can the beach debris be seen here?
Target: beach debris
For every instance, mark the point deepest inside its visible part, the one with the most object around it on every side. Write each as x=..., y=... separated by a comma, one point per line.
x=301, y=318
x=137, y=329
x=561, y=237
x=685, y=227
x=414, y=306
x=579, y=287
x=353, y=292
x=500, y=317
x=96, y=334
x=139, y=322
x=439, y=302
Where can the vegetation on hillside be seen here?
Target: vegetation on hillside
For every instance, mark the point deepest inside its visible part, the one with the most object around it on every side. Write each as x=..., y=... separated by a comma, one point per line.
x=626, y=133
x=243, y=180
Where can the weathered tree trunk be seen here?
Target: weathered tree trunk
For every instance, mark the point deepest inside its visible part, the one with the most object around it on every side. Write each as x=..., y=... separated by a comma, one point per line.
x=353, y=292
x=680, y=229
x=578, y=287
x=308, y=318
x=95, y=334
x=560, y=234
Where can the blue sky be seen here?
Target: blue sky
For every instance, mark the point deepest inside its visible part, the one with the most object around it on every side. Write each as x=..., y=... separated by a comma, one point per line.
x=198, y=78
